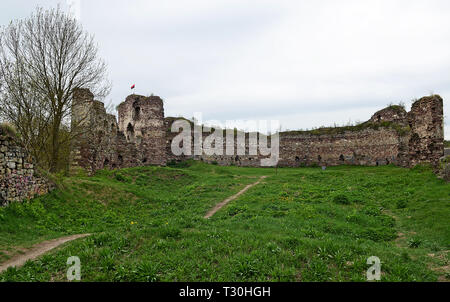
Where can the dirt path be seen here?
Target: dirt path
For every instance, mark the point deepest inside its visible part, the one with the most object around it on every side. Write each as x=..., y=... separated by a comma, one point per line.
x=223, y=203
x=37, y=250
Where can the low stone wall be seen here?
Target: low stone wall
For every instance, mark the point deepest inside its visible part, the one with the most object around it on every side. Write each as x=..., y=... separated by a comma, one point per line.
x=368, y=147
x=18, y=180
x=391, y=136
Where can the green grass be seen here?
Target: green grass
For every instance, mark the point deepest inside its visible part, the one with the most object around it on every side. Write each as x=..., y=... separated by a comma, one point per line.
x=301, y=224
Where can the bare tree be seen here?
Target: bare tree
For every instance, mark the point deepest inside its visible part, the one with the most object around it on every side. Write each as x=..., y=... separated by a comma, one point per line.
x=42, y=60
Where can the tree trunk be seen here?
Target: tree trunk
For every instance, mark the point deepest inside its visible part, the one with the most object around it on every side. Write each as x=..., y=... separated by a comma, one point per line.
x=54, y=159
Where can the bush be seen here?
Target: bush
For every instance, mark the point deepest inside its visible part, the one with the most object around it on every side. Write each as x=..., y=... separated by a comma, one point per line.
x=341, y=199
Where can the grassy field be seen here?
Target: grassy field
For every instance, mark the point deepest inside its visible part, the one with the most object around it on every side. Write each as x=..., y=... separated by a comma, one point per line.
x=301, y=224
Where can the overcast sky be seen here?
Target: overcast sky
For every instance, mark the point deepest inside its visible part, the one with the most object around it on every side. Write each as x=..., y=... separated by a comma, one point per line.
x=304, y=63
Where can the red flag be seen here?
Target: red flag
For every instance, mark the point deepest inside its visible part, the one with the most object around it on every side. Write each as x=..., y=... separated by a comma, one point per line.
x=132, y=87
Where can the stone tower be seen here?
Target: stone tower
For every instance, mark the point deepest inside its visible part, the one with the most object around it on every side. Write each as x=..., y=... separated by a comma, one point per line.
x=426, y=120
x=141, y=120
x=94, y=145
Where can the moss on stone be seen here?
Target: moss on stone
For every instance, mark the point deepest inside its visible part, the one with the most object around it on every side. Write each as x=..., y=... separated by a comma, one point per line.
x=401, y=130
x=397, y=108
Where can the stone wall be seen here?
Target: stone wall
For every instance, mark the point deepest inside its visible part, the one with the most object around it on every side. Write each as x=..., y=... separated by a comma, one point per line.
x=371, y=147
x=18, y=178
x=367, y=147
x=95, y=145
x=139, y=138
x=426, y=120
x=388, y=137
x=143, y=137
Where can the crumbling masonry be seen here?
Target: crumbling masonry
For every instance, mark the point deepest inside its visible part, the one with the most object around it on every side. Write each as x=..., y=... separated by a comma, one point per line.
x=18, y=177
x=142, y=137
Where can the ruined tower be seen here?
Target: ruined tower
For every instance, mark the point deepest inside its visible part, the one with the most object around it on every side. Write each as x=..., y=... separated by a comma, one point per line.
x=426, y=120
x=141, y=120
x=94, y=145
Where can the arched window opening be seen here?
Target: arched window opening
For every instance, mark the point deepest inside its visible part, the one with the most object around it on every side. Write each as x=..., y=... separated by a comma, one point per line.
x=137, y=113
x=130, y=132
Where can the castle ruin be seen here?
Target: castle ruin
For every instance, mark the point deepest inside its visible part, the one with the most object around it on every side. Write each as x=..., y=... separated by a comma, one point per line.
x=142, y=136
